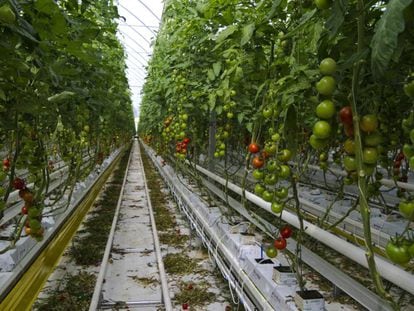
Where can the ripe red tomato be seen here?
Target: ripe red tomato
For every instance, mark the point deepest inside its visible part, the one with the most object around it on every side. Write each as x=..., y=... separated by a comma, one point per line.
x=19, y=183
x=6, y=162
x=349, y=130
x=398, y=253
x=24, y=210
x=286, y=232
x=280, y=243
x=186, y=140
x=254, y=148
x=345, y=115
x=257, y=162
x=369, y=123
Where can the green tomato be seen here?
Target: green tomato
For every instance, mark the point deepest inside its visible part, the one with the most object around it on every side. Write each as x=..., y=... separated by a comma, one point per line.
x=258, y=174
x=275, y=137
x=397, y=253
x=326, y=86
x=350, y=163
x=327, y=66
x=408, y=150
x=317, y=143
x=267, y=196
x=326, y=109
x=322, y=129
x=407, y=209
x=322, y=4
x=230, y=115
x=259, y=189
x=270, y=179
x=7, y=15
x=409, y=89
x=277, y=207
x=284, y=171
x=285, y=155
x=271, y=166
x=270, y=148
x=271, y=252
x=370, y=155
x=369, y=123
x=282, y=193
x=373, y=139
x=267, y=113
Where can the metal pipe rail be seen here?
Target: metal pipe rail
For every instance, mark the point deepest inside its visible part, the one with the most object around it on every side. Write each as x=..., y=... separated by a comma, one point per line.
x=387, y=270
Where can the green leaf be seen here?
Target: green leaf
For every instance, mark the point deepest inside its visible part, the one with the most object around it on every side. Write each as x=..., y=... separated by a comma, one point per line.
x=210, y=74
x=2, y=95
x=247, y=33
x=217, y=68
x=337, y=17
x=385, y=39
x=291, y=129
x=225, y=33
x=240, y=117
x=60, y=96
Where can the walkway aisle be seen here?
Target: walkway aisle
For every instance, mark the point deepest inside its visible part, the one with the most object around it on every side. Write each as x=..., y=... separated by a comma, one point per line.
x=132, y=277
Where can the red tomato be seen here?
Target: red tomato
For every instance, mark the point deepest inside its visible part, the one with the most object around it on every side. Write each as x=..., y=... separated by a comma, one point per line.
x=257, y=162
x=286, y=232
x=19, y=183
x=186, y=140
x=24, y=210
x=349, y=130
x=345, y=115
x=254, y=148
x=280, y=243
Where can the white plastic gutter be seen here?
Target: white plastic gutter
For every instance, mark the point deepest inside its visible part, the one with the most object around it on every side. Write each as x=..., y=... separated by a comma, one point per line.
x=387, y=270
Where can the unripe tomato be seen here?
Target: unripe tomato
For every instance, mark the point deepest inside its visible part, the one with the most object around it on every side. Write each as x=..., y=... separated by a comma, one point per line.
x=373, y=139
x=277, y=207
x=7, y=15
x=276, y=137
x=409, y=89
x=370, y=155
x=259, y=189
x=285, y=155
x=345, y=115
x=349, y=146
x=270, y=179
x=326, y=109
x=369, y=123
x=350, y=163
x=327, y=66
x=406, y=208
x=397, y=253
x=322, y=4
x=271, y=252
x=322, y=129
x=258, y=174
x=271, y=166
x=267, y=113
x=254, y=148
x=284, y=171
x=267, y=196
x=282, y=193
x=326, y=86
x=317, y=143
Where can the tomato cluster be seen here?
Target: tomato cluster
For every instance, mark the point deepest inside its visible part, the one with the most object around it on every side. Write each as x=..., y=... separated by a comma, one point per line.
x=280, y=243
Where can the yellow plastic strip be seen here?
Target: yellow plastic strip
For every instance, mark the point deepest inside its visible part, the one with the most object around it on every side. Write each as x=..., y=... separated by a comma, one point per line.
x=26, y=290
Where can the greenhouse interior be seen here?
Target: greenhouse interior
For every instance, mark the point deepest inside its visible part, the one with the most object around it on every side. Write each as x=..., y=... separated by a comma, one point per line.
x=207, y=155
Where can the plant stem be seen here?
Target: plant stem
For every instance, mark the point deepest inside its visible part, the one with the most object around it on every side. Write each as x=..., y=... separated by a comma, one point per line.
x=362, y=179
